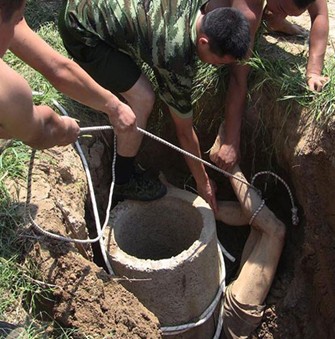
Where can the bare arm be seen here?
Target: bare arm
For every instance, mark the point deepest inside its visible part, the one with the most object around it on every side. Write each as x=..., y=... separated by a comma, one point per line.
x=318, y=43
x=190, y=143
x=69, y=78
x=37, y=126
x=229, y=152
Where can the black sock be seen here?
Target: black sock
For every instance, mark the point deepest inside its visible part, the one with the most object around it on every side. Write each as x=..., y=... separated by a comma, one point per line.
x=123, y=169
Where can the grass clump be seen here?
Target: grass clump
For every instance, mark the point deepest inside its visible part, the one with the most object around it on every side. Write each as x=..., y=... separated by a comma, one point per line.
x=323, y=103
x=22, y=289
x=285, y=81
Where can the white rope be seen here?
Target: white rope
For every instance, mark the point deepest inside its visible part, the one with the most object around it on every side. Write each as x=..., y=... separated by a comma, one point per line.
x=205, y=315
x=84, y=130
x=294, y=210
x=167, y=330
x=256, y=212
x=226, y=253
x=100, y=230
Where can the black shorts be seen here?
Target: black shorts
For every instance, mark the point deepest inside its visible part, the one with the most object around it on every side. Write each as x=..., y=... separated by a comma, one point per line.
x=112, y=69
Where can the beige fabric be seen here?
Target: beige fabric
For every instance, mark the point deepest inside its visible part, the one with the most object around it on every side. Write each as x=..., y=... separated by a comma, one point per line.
x=239, y=320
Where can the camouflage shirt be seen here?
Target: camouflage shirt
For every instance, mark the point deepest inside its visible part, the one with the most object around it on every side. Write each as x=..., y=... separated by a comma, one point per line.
x=159, y=32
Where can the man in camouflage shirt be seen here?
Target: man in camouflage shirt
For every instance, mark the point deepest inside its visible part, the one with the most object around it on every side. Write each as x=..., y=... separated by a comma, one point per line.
x=111, y=39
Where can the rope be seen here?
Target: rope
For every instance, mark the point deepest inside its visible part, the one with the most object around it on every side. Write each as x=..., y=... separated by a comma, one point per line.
x=294, y=210
x=167, y=330
x=256, y=212
x=173, y=330
x=84, y=130
x=100, y=230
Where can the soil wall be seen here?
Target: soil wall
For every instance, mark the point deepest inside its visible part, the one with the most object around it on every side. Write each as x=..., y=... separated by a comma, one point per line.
x=304, y=288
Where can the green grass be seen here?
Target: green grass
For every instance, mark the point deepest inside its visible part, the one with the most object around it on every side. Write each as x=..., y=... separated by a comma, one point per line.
x=278, y=79
x=285, y=81
x=322, y=105
x=15, y=285
x=16, y=282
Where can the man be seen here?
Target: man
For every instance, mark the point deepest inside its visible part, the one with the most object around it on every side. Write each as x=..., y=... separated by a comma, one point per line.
x=275, y=12
x=40, y=126
x=111, y=38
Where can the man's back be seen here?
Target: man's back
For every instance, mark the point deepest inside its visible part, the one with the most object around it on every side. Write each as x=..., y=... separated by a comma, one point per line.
x=152, y=31
x=159, y=33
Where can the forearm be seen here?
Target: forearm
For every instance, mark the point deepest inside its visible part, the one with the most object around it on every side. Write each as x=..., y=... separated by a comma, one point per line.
x=70, y=79
x=234, y=108
x=190, y=143
x=63, y=73
x=37, y=126
x=45, y=130
x=42, y=129
x=318, y=12
x=317, y=48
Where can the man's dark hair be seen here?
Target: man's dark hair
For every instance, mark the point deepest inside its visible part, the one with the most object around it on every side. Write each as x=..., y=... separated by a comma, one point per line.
x=8, y=7
x=227, y=31
x=302, y=4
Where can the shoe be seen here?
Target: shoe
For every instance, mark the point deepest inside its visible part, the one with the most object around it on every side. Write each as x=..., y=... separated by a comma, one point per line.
x=140, y=187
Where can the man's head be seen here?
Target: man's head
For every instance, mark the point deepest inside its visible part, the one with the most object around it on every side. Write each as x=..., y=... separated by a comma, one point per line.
x=8, y=8
x=223, y=34
x=284, y=8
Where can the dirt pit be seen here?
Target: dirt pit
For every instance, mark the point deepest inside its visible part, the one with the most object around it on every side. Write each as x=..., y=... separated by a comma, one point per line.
x=89, y=300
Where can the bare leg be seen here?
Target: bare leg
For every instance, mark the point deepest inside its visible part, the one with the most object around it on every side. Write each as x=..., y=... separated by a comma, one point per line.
x=257, y=273
x=141, y=99
x=263, y=247
x=250, y=244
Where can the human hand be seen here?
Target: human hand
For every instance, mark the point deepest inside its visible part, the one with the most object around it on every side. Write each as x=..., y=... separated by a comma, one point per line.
x=207, y=191
x=123, y=119
x=316, y=82
x=226, y=157
x=49, y=129
x=70, y=132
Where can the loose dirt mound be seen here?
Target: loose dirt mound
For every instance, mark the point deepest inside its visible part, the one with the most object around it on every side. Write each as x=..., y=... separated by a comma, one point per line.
x=85, y=297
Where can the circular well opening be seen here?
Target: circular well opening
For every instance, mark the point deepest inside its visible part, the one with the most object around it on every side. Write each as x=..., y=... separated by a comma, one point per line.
x=158, y=230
